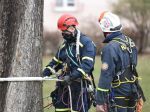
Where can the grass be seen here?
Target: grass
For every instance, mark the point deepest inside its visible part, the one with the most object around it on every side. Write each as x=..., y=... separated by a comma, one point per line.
x=143, y=69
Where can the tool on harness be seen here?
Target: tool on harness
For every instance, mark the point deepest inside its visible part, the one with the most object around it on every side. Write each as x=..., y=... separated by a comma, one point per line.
x=91, y=90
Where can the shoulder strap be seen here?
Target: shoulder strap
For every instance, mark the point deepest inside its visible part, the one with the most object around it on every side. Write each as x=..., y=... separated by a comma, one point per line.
x=129, y=44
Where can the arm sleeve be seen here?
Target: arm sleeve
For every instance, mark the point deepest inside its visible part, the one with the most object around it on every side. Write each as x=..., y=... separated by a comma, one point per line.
x=56, y=62
x=87, y=60
x=107, y=73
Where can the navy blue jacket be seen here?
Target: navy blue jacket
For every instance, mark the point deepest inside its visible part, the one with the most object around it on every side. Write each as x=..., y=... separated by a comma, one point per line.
x=114, y=59
x=67, y=53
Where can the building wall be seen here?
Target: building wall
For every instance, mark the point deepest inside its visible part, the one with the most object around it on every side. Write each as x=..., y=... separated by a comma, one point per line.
x=84, y=10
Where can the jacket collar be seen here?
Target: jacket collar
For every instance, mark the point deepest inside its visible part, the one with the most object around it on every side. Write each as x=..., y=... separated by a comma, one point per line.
x=111, y=36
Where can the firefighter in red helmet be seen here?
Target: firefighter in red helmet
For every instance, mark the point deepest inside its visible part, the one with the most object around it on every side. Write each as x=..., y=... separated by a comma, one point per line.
x=77, y=54
x=67, y=24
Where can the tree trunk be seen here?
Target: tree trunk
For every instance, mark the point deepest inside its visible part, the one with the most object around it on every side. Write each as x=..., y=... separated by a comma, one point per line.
x=20, y=54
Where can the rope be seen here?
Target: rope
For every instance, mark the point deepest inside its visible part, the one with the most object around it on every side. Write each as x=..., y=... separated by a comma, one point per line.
x=77, y=43
x=23, y=79
x=70, y=97
x=49, y=105
x=82, y=95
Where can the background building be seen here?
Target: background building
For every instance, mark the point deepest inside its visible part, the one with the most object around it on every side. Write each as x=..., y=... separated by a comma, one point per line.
x=84, y=10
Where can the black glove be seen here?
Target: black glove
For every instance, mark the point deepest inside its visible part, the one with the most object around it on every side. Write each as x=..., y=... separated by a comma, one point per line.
x=67, y=80
x=47, y=72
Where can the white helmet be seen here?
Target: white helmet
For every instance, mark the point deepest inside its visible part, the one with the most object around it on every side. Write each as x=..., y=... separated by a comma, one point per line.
x=109, y=22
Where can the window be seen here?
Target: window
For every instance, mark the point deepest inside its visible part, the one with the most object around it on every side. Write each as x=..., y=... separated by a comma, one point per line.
x=59, y=3
x=70, y=3
x=65, y=5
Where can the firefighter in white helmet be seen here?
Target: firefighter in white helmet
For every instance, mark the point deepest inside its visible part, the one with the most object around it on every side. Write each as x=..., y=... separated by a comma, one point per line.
x=118, y=88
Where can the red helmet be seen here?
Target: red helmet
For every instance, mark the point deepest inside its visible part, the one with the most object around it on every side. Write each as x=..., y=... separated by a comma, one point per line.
x=65, y=21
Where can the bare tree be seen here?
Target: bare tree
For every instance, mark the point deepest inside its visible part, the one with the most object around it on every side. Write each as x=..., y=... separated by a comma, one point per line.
x=137, y=11
x=20, y=54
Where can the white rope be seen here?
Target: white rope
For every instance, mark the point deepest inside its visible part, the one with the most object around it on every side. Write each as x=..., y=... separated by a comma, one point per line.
x=82, y=91
x=77, y=43
x=70, y=97
x=23, y=79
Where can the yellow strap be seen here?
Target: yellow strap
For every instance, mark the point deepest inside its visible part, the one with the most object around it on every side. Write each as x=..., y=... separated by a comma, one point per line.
x=123, y=47
x=63, y=109
x=58, y=61
x=88, y=58
x=82, y=71
x=119, y=97
x=124, y=107
x=49, y=68
x=84, y=74
x=139, y=78
x=123, y=82
x=105, y=90
x=119, y=42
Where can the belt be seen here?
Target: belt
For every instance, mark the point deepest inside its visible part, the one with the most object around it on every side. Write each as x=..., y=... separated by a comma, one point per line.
x=123, y=77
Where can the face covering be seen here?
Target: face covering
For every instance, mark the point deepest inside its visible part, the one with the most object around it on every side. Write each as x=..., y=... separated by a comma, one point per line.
x=70, y=37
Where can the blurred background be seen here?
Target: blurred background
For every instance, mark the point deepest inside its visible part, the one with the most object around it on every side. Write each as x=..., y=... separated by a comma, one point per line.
x=134, y=16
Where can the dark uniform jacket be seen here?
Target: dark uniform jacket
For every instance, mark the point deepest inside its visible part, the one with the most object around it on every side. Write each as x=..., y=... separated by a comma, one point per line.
x=115, y=60
x=80, y=65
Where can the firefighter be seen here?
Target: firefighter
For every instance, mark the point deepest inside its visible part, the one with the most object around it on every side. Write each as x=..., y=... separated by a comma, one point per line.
x=118, y=89
x=77, y=56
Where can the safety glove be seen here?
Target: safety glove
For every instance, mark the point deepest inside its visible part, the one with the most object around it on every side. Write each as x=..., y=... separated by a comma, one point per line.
x=47, y=71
